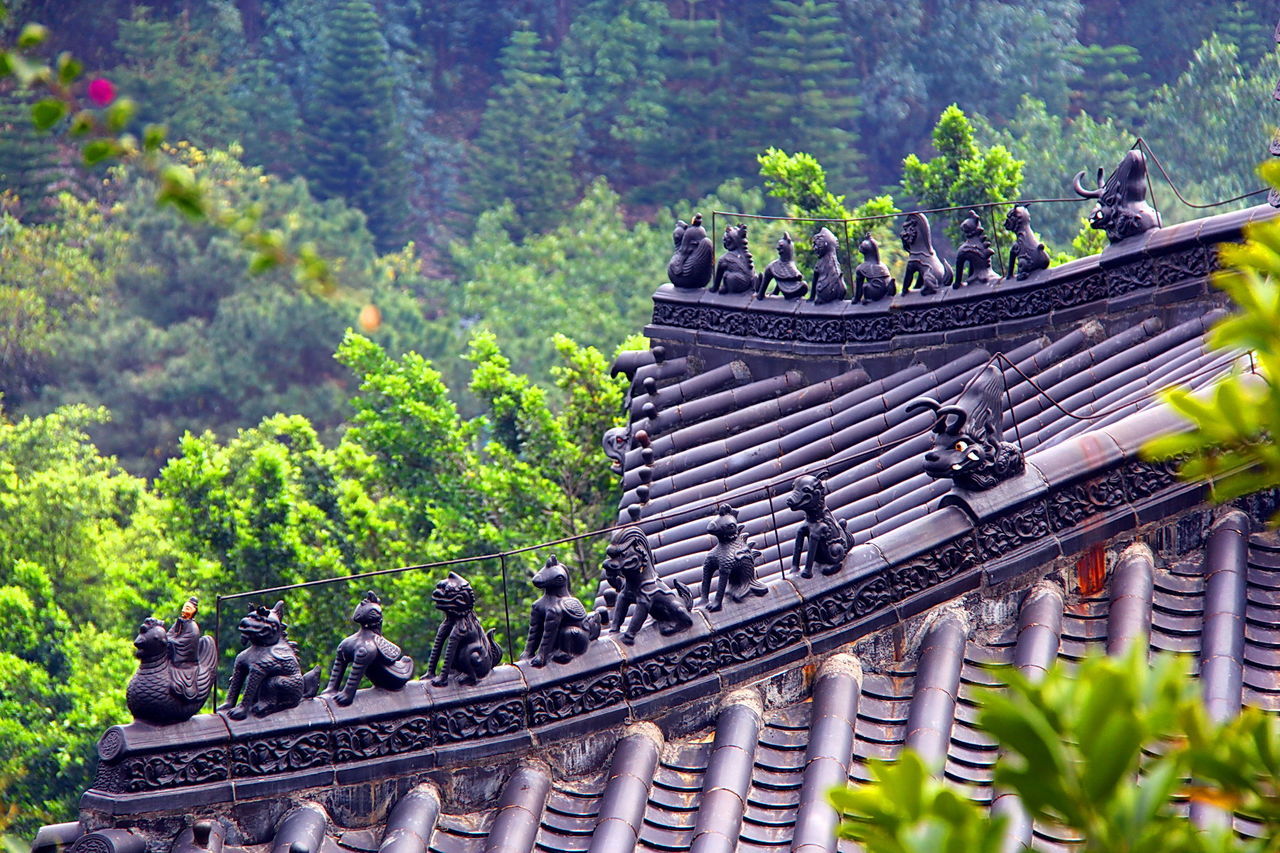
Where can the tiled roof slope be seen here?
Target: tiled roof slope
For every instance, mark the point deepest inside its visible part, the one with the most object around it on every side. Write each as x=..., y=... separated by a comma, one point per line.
x=756, y=779
x=713, y=450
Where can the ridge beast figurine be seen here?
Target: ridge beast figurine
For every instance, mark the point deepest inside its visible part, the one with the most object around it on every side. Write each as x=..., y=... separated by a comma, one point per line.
x=968, y=443
x=690, y=266
x=828, y=278
x=629, y=569
x=469, y=654
x=733, y=558
x=735, y=271
x=924, y=267
x=1027, y=254
x=367, y=652
x=560, y=628
x=790, y=283
x=975, y=252
x=1122, y=210
x=826, y=539
x=872, y=280
x=176, y=669
x=267, y=670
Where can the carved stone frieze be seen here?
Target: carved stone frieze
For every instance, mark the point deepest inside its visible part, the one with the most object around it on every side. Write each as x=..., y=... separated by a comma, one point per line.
x=477, y=720
x=281, y=753
x=381, y=737
x=158, y=771
x=566, y=699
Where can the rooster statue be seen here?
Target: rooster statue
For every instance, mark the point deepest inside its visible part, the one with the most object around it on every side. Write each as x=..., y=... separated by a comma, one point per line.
x=176, y=669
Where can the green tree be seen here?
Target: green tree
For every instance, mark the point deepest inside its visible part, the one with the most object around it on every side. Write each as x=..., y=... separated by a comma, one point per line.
x=615, y=77
x=962, y=173
x=352, y=133
x=803, y=88
x=1110, y=82
x=524, y=148
x=29, y=165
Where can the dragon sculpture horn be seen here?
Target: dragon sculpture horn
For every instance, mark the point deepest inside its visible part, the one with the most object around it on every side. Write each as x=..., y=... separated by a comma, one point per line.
x=952, y=428
x=1084, y=193
x=921, y=403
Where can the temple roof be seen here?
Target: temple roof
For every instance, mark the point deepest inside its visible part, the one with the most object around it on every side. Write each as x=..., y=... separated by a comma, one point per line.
x=726, y=734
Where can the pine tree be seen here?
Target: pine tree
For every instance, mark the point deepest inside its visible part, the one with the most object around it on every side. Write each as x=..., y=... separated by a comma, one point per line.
x=803, y=88
x=1109, y=82
x=524, y=150
x=1249, y=29
x=28, y=160
x=352, y=132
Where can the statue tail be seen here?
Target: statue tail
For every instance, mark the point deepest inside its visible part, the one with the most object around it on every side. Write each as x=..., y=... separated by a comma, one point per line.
x=949, y=276
x=495, y=650
x=686, y=594
x=311, y=683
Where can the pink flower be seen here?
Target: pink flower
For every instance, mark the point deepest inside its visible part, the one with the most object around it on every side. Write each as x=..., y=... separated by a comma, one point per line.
x=101, y=91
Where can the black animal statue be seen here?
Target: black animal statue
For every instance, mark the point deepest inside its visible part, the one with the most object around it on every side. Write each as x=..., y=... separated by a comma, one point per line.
x=968, y=443
x=733, y=558
x=1027, y=254
x=629, y=569
x=176, y=669
x=872, y=280
x=367, y=652
x=268, y=670
x=924, y=268
x=783, y=271
x=735, y=271
x=560, y=628
x=828, y=278
x=975, y=253
x=690, y=266
x=469, y=654
x=616, y=440
x=823, y=540
x=1122, y=210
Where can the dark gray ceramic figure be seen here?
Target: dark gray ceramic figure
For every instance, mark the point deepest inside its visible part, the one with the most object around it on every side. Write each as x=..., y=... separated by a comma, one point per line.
x=735, y=271
x=790, y=283
x=560, y=628
x=616, y=440
x=176, y=669
x=828, y=278
x=733, y=558
x=267, y=671
x=1027, y=254
x=462, y=650
x=975, y=253
x=629, y=569
x=872, y=280
x=924, y=268
x=690, y=266
x=968, y=442
x=821, y=539
x=1122, y=210
x=367, y=652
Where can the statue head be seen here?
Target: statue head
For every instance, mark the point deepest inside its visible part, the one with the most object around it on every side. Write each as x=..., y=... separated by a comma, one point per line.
x=735, y=237
x=725, y=527
x=972, y=225
x=808, y=494
x=552, y=577
x=786, y=248
x=628, y=554
x=915, y=233
x=824, y=242
x=368, y=613
x=263, y=627
x=869, y=248
x=152, y=641
x=453, y=596
x=1018, y=219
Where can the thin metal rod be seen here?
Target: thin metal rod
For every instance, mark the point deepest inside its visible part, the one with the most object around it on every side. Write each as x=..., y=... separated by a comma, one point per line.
x=777, y=541
x=506, y=608
x=217, y=639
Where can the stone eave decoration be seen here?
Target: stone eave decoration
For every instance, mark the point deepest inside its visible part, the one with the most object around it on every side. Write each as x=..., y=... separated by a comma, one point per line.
x=1122, y=210
x=828, y=278
x=784, y=272
x=872, y=280
x=177, y=668
x=691, y=265
x=924, y=268
x=975, y=253
x=629, y=569
x=560, y=629
x=1027, y=254
x=367, y=653
x=968, y=443
x=822, y=540
x=463, y=652
x=268, y=671
x=733, y=558
x=735, y=271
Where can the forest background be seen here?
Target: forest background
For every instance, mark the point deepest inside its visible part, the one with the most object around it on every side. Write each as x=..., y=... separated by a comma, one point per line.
x=481, y=177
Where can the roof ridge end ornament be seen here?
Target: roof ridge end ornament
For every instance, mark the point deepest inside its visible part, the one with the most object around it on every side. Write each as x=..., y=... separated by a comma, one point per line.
x=1122, y=209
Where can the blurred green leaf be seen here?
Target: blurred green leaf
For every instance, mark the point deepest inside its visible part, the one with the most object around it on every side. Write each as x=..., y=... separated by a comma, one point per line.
x=32, y=35
x=45, y=114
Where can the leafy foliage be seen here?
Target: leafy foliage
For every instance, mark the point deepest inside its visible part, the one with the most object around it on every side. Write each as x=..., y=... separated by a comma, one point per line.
x=1099, y=753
